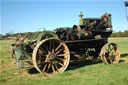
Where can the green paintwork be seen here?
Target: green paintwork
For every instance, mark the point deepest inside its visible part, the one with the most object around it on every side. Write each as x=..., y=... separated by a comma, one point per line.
x=20, y=52
x=44, y=33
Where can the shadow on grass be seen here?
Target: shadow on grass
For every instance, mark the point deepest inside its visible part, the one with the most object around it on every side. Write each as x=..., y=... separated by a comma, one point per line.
x=78, y=64
x=32, y=71
x=121, y=61
x=124, y=55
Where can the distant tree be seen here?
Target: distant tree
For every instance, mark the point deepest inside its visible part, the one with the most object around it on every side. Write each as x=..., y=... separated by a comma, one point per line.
x=9, y=34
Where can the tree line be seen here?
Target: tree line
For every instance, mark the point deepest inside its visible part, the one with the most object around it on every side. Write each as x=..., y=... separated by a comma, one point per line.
x=8, y=35
x=120, y=34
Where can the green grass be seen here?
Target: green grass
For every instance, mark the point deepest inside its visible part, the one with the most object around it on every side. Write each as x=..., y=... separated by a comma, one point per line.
x=77, y=73
x=4, y=51
x=122, y=43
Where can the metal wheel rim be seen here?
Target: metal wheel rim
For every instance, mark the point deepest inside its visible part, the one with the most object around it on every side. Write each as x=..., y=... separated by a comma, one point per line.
x=51, y=47
x=110, y=53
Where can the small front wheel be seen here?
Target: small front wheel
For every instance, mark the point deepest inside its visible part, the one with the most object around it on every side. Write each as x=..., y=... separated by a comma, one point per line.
x=110, y=53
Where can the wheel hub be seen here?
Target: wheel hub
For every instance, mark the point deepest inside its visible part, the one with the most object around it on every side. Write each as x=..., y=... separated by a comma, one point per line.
x=51, y=57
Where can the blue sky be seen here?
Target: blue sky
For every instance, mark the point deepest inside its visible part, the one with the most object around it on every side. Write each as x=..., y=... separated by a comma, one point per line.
x=33, y=15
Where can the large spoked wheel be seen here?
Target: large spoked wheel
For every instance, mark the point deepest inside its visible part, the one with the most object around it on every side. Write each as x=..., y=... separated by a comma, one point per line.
x=51, y=56
x=110, y=53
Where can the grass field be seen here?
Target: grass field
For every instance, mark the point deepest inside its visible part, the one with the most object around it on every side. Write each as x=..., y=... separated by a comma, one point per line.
x=77, y=73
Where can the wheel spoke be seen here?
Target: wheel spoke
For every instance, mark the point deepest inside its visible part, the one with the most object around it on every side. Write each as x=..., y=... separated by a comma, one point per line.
x=38, y=61
x=49, y=65
x=107, y=50
x=40, y=52
x=61, y=64
x=42, y=58
x=44, y=62
x=61, y=59
x=61, y=55
x=111, y=60
x=43, y=50
x=58, y=47
x=109, y=55
x=53, y=47
x=116, y=54
x=53, y=68
x=44, y=67
x=56, y=67
x=111, y=48
x=59, y=51
x=46, y=49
